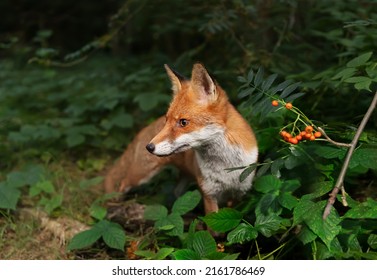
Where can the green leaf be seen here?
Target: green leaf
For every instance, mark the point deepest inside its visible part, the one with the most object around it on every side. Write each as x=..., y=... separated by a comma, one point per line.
x=29, y=175
x=345, y=74
x=203, y=243
x=186, y=202
x=53, y=203
x=173, y=219
x=330, y=152
x=365, y=85
x=372, y=241
x=289, y=89
x=259, y=77
x=268, y=204
x=366, y=157
x=360, y=60
x=8, y=196
x=75, y=139
x=268, y=82
x=155, y=212
x=267, y=184
x=306, y=235
x=163, y=253
x=287, y=200
x=114, y=236
x=320, y=189
x=223, y=220
x=242, y=233
x=186, y=254
x=282, y=86
x=84, y=239
x=42, y=186
x=247, y=172
x=267, y=224
x=311, y=213
x=250, y=76
x=97, y=211
x=364, y=210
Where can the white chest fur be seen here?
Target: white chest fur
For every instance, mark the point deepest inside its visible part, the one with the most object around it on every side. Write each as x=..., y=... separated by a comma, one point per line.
x=215, y=156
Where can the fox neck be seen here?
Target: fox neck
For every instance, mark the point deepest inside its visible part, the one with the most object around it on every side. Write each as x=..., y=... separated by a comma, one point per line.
x=215, y=156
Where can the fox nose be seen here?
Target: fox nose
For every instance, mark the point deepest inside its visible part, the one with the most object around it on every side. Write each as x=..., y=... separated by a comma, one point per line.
x=150, y=147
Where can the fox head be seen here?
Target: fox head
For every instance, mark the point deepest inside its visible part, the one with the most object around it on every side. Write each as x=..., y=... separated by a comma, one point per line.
x=196, y=115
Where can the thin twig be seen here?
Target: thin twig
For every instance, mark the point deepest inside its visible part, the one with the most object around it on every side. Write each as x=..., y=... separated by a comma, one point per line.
x=340, y=182
x=332, y=141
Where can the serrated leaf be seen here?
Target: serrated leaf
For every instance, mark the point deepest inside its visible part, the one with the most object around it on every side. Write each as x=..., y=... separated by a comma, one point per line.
x=97, y=211
x=268, y=82
x=364, y=210
x=366, y=157
x=311, y=213
x=259, y=77
x=203, y=243
x=8, y=196
x=250, y=76
x=267, y=184
x=294, y=96
x=246, y=92
x=247, y=172
x=186, y=254
x=268, y=204
x=155, y=212
x=320, y=189
x=84, y=239
x=287, y=200
x=306, y=235
x=172, y=220
x=282, y=86
x=360, y=60
x=289, y=89
x=242, y=233
x=223, y=220
x=186, y=202
x=330, y=152
x=267, y=224
x=114, y=237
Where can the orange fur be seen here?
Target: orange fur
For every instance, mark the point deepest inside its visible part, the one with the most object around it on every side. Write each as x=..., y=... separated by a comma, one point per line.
x=214, y=135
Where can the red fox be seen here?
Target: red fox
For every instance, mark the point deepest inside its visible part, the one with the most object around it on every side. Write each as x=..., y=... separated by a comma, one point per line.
x=202, y=134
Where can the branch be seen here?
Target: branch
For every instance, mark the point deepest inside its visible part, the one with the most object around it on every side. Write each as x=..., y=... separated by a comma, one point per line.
x=340, y=182
x=332, y=141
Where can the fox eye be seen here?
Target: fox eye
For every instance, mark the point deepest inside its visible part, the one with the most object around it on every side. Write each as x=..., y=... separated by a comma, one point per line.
x=183, y=122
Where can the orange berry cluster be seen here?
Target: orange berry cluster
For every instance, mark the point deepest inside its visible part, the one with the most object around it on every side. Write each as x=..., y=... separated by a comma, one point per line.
x=307, y=134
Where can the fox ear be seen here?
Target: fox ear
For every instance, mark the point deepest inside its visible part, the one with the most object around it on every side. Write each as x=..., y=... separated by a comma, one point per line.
x=175, y=78
x=203, y=84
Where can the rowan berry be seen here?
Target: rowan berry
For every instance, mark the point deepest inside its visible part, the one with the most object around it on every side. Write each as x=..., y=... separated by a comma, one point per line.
x=293, y=140
x=275, y=103
x=317, y=134
x=288, y=106
x=309, y=129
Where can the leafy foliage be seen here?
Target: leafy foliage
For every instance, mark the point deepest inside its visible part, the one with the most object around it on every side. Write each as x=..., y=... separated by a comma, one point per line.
x=71, y=100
